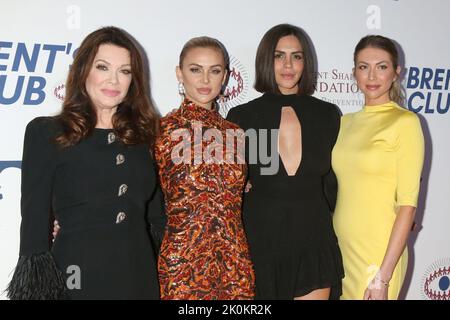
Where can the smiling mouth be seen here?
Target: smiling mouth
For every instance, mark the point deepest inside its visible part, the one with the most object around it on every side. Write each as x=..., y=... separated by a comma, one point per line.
x=288, y=76
x=110, y=93
x=372, y=87
x=204, y=91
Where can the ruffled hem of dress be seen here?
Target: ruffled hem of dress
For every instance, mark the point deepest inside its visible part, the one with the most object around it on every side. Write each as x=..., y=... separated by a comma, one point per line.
x=323, y=269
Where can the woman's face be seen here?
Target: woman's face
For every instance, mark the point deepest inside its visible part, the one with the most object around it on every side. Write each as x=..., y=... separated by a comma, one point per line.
x=374, y=72
x=202, y=73
x=288, y=64
x=109, y=79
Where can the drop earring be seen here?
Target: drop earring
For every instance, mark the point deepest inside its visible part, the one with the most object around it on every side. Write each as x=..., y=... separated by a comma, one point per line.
x=181, y=90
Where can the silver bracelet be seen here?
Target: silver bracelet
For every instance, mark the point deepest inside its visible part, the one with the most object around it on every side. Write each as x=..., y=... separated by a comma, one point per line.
x=385, y=283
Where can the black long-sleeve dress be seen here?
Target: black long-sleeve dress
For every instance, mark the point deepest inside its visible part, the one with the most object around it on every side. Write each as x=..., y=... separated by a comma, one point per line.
x=99, y=191
x=288, y=218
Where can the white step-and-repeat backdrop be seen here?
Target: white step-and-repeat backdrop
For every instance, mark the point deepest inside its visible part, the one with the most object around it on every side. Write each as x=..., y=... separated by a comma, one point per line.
x=38, y=40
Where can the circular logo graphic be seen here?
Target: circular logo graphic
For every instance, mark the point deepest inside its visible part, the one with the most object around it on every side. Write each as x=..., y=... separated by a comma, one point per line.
x=436, y=281
x=237, y=87
x=60, y=92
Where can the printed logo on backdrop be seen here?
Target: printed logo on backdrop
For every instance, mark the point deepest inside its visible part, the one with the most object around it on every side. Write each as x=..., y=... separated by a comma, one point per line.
x=436, y=281
x=237, y=87
x=338, y=87
x=26, y=69
x=5, y=165
x=59, y=92
x=427, y=89
x=373, y=21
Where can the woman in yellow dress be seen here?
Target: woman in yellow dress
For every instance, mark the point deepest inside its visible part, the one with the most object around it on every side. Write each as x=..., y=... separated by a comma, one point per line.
x=378, y=159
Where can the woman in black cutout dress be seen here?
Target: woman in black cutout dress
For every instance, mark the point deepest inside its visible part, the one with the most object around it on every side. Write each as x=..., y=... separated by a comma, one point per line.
x=288, y=218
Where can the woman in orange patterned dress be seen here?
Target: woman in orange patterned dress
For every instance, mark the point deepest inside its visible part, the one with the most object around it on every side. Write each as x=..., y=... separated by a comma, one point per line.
x=204, y=254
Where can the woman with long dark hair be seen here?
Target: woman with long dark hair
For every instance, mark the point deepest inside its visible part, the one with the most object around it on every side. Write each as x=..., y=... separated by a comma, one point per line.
x=91, y=168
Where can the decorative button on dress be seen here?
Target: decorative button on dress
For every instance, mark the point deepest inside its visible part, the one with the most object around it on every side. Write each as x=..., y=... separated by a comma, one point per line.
x=204, y=254
x=99, y=191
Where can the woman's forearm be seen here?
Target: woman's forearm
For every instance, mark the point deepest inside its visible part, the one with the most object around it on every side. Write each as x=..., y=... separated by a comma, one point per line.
x=397, y=241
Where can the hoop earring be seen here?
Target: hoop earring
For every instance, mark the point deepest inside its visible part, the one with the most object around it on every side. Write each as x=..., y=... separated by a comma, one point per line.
x=181, y=90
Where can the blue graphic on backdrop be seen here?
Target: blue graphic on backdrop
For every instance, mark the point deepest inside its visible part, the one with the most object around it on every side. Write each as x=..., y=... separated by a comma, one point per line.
x=24, y=76
x=431, y=87
x=9, y=164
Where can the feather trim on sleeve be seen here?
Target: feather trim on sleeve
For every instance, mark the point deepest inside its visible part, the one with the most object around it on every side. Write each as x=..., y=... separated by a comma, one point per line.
x=36, y=278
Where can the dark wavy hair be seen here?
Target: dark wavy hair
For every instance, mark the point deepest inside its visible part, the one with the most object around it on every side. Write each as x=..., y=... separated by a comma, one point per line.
x=135, y=121
x=265, y=56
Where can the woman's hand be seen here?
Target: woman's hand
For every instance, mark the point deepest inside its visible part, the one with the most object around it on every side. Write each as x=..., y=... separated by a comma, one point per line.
x=56, y=228
x=248, y=186
x=377, y=290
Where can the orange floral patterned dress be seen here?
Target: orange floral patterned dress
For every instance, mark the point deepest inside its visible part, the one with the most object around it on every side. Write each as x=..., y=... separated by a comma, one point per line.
x=204, y=254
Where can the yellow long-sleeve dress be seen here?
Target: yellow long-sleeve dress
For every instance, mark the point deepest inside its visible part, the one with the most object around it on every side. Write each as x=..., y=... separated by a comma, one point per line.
x=378, y=160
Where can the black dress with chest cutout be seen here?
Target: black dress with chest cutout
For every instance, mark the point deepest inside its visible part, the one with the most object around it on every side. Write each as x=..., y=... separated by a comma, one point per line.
x=288, y=218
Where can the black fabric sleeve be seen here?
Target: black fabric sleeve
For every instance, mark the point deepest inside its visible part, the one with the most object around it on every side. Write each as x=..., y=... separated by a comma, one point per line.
x=38, y=169
x=156, y=218
x=232, y=116
x=330, y=189
x=330, y=183
x=36, y=275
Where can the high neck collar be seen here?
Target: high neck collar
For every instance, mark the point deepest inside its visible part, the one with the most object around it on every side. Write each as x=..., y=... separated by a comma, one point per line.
x=191, y=110
x=103, y=129
x=192, y=105
x=282, y=99
x=379, y=107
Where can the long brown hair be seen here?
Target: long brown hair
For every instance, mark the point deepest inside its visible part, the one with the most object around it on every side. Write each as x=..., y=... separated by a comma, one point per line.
x=385, y=44
x=135, y=121
x=265, y=55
